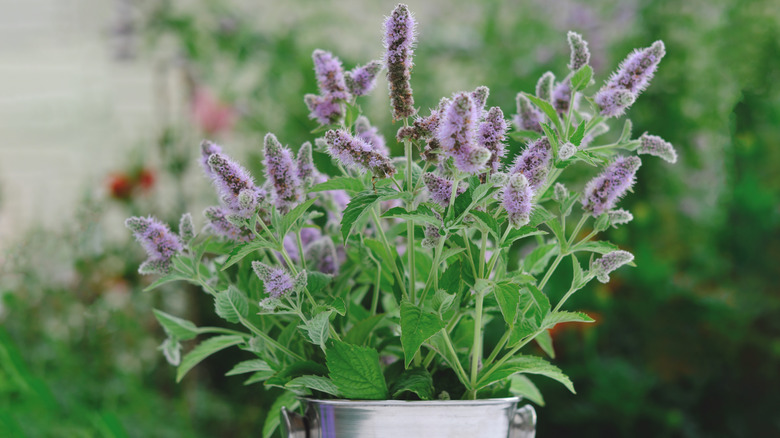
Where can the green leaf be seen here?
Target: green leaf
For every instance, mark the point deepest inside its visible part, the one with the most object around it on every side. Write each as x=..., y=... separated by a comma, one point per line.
x=317, y=383
x=589, y=158
x=535, y=305
x=353, y=111
x=546, y=108
x=355, y=371
x=577, y=274
x=356, y=209
x=557, y=229
x=521, y=135
x=578, y=134
x=359, y=333
x=439, y=344
x=450, y=279
x=545, y=342
x=338, y=306
x=508, y=298
x=250, y=366
x=240, y=251
x=488, y=221
x=416, y=327
x=204, y=350
x=339, y=183
x=442, y=301
x=289, y=219
x=317, y=281
x=539, y=216
x=417, y=381
x=422, y=214
x=523, y=386
x=551, y=135
x=175, y=327
x=318, y=327
x=519, y=233
x=526, y=365
x=625, y=135
x=597, y=246
x=581, y=78
x=272, y=421
x=561, y=317
x=173, y=276
x=535, y=262
x=523, y=329
x=231, y=305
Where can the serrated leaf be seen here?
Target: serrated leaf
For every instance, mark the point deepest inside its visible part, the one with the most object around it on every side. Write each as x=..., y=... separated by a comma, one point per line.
x=546, y=108
x=355, y=371
x=204, y=350
x=577, y=274
x=317, y=281
x=422, y=214
x=526, y=365
x=338, y=306
x=522, y=232
x=450, y=279
x=317, y=383
x=625, y=135
x=597, y=246
x=359, y=333
x=176, y=327
x=417, y=381
x=588, y=158
x=545, y=342
x=289, y=219
x=488, y=221
x=416, y=327
x=442, y=301
x=339, y=183
x=524, y=328
x=578, y=134
x=317, y=328
x=557, y=229
x=508, y=298
x=562, y=316
x=439, y=344
x=534, y=304
x=231, y=305
x=539, y=216
x=522, y=386
x=239, y=252
x=250, y=366
x=353, y=111
x=356, y=209
x=581, y=78
x=551, y=135
x=535, y=262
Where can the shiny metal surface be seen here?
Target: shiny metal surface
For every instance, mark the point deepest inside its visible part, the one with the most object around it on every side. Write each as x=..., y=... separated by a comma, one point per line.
x=428, y=419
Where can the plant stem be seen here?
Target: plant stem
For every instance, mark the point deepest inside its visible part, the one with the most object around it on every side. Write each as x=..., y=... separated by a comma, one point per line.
x=476, y=351
x=300, y=249
x=482, y=249
x=554, y=265
x=467, y=244
x=498, y=348
x=582, y=221
x=389, y=250
x=458, y=368
x=569, y=293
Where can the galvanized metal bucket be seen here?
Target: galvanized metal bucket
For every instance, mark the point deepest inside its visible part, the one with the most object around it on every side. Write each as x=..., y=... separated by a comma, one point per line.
x=492, y=418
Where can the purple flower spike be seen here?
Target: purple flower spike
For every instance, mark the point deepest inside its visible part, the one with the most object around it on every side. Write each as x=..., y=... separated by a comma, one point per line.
x=580, y=55
x=305, y=165
x=276, y=281
x=207, y=149
x=528, y=118
x=158, y=241
x=422, y=127
x=457, y=134
x=323, y=255
x=479, y=96
x=399, y=42
x=357, y=153
x=632, y=77
x=603, y=192
x=220, y=226
x=330, y=75
x=440, y=189
x=282, y=172
x=609, y=262
x=619, y=217
x=371, y=135
x=231, y=179
x=326, y=110
x=491, y=136
x=657, y=146
x=544, y=87
x=561, y=97
x=517, y=199
x=361, y=80
x=186, y=229
x=534, y=163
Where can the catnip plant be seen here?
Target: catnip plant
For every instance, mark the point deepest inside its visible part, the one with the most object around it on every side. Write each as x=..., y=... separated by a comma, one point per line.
x=379, y=282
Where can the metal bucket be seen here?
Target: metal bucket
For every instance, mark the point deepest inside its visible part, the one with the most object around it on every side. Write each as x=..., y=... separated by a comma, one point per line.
x=492, y=418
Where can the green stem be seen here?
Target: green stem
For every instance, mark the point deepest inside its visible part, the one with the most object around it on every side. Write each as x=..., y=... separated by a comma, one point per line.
x=410, y=222
x=577, y=229
x=458, y=367
x=375, y=298
x=433, y=279
x=269, y=339
x=498, y=348
x=569, y=294
x=390, y=253
x=554, y=265
x=300, y=249
x=476, y=351
x=467, y=243
x=482, y=249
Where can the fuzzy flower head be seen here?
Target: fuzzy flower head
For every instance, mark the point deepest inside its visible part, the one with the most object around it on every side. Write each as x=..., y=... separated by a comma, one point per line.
x=324, y=109
x=603, y=192
x=580, y=55
x=276, y=281
x=370, y=135
x=534, y=163
x=440, y=189
x=516, y=200
x=631, y=78
x=657, y=146
x=357, y=153
x=330, y=75
x=158, y=241
x=528, y=118
x=609, y=262
x=207, y=149
x=218, y=224
x=422, y=128
x=186, y=229
x=614, y=101
x=399, y=42
x=230, y=179
x=544, y=86
x=479, y=96
x=491, y=134
x=305, y=165
x=283, y=174
x=562, y=97
x=361, y=80
x=560, y=192
x=457, y=134
x=619, y=217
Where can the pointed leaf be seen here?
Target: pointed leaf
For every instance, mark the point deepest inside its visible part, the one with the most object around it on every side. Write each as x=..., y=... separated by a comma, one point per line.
x=355, y=371
x=535, y=262
x=508, y=298
x=231, y=305
x=240, y=251
x=581, y=78
x=175, y=327
x=339, y=183
x=204, y=350
x=317, y=383
x=526, y=365
x=545, y=342
x=289, y=219
x=422, y=214
x=250, y=366
x=356, y=209
x=546, y=108
x=561, y=317
x=523, y=386
x=316, y=281
x=359, y=332
x=416, y=327
x=535, y=304
x=317, y=328
x=415, y=380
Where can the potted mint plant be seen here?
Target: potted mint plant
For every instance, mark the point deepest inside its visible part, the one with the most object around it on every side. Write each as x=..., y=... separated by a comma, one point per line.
x=376, y=284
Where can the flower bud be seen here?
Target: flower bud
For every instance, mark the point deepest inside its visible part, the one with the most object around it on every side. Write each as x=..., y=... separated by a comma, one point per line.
x=399, y=42
x=528, y=118
x=654, y=145
x=609, y=262
x=544, y=87
x=580, y=55
x=276, y=281
x=281, y=171
x=361, y=80
x=357, y=153
x=186, y=229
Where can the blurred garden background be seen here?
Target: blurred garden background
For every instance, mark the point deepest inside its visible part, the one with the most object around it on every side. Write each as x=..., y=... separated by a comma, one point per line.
x=103, y=104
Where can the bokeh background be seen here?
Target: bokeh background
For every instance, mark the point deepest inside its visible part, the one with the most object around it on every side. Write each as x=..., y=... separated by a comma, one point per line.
x=103, y=103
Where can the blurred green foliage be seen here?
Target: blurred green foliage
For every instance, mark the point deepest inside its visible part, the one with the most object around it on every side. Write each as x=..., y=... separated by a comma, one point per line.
x=686, y=345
